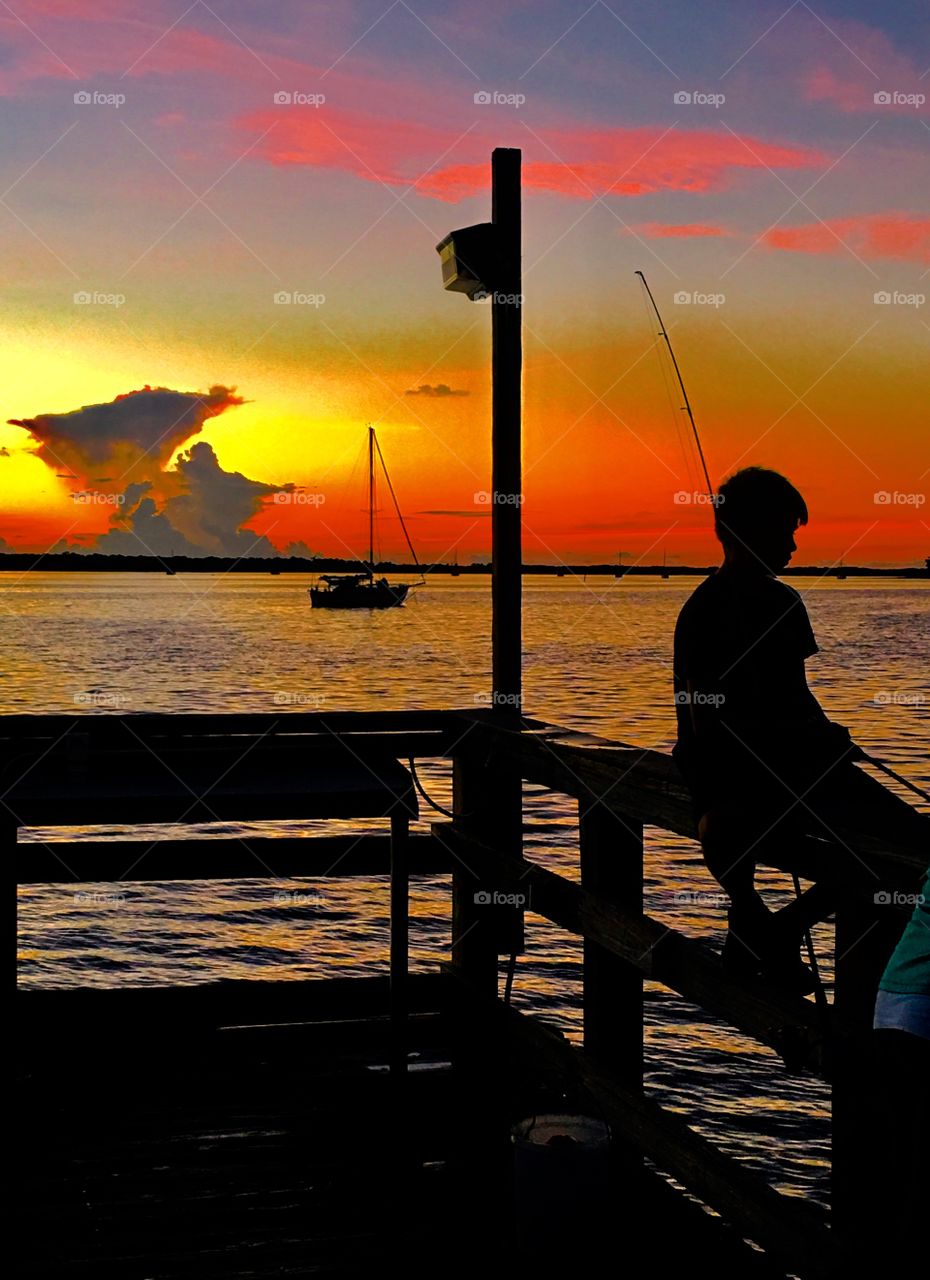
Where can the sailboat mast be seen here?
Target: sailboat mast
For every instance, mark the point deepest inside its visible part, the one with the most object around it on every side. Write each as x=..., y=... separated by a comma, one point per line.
x=371, y=503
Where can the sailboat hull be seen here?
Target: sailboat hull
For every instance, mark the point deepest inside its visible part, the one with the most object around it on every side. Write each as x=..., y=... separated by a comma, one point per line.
x=361, y=595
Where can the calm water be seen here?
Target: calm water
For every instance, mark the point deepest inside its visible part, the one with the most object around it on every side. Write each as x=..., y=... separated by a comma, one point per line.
x=597, y=657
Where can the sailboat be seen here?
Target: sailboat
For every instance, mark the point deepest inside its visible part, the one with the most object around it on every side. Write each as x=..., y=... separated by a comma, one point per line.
x=363, y=590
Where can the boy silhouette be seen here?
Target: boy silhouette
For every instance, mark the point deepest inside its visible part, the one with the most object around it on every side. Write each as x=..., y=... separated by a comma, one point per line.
x=762, y=760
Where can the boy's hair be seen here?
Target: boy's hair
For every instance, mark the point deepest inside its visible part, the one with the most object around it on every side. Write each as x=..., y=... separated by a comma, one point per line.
x=751, y=500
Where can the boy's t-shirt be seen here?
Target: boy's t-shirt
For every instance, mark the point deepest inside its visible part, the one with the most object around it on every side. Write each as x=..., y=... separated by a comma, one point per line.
x=742, y=640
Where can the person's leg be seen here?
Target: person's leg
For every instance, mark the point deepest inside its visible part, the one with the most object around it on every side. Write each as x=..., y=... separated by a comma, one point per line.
x=758, y=942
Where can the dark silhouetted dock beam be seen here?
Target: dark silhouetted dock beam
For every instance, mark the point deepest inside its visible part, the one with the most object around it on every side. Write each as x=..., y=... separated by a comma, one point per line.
x=506, y=432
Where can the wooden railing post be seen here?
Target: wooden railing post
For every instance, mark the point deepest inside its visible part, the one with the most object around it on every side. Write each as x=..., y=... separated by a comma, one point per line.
x=612, y=868
x=487, y=802
x=8, y=829
x=866, y=935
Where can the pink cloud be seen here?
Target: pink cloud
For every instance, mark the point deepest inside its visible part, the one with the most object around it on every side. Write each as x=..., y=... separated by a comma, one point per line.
x=897, y=91
x=633, y=161
x=884, y=235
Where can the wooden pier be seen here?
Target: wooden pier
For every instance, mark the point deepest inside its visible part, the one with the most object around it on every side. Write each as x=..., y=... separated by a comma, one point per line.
x=251, y=1128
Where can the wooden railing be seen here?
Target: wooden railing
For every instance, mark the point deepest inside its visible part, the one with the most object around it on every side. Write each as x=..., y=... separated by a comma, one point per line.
x=619, y=789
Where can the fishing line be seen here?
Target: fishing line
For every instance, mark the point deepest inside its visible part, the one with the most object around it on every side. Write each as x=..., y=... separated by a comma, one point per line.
x=667, y=383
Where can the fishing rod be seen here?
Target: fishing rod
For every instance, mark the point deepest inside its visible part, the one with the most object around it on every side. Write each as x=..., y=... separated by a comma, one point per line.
x=911, y=786
x=820, y=995
x=663, y=333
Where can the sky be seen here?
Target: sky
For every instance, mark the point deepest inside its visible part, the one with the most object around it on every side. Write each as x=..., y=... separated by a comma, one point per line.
x=218, y=265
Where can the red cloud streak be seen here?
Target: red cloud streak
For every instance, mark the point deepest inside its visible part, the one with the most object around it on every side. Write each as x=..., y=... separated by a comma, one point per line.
x=581, y=163
x=882, y=235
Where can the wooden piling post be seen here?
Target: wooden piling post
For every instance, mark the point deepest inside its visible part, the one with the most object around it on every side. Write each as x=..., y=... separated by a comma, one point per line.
x=399, y=946
x=866, y=935
x=612, y=868
x=506, y=431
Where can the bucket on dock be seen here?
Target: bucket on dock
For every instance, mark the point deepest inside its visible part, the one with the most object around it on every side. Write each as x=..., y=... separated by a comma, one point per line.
x=561, y=1180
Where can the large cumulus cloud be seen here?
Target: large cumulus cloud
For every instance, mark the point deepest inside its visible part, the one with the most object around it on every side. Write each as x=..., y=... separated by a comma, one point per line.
x=129, y=438
x=123, y=448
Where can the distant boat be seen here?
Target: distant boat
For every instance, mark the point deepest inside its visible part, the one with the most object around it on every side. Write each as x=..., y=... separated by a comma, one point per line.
x=841, y=571
x=455, y=570
x=664, y=573
x=362, y=590
x=620, y=571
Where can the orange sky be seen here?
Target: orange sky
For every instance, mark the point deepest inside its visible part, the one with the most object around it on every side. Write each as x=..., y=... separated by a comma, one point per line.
x=788, y=217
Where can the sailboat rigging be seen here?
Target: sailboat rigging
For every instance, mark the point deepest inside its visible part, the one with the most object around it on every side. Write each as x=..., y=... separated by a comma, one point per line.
x=362, y=590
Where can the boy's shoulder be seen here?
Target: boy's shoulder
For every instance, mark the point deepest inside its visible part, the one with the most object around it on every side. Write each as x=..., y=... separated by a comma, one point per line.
x=722, y=596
